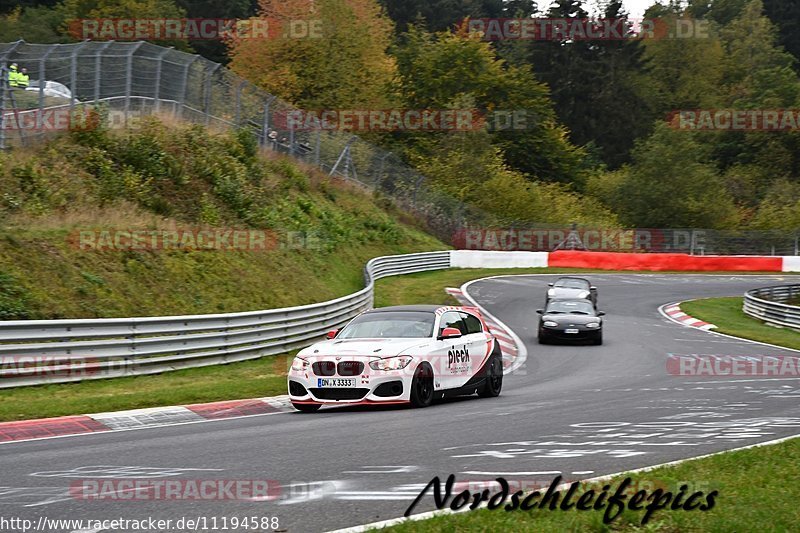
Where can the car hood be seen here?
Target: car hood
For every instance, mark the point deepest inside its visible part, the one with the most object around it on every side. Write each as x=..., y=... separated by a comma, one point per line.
x=572, y=319
x=378, y=348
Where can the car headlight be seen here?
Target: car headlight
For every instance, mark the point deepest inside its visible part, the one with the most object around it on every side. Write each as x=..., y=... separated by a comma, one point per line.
x=550, y=324
x=585, y=294
x=550, y=292
x=391, y=363
x=299, y=364
x=593, y=325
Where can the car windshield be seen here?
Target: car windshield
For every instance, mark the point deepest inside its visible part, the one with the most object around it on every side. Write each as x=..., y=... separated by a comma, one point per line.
x=390, y=324
x=569, y=307
x=572, y=283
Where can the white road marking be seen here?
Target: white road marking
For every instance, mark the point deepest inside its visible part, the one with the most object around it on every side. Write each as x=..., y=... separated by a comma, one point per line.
x=383, y=470
x=508, y=474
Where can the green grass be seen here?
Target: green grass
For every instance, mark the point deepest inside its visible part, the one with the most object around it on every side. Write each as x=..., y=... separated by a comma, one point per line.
x=249, y=379
x=758, y=491
x=727, y=315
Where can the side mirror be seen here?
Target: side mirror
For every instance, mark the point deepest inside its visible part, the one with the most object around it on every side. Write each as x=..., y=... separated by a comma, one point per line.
x=332, y=334
x=592, y=288
x=601, y=313
x=550, y=284
x=540, y=311
x=450, y=333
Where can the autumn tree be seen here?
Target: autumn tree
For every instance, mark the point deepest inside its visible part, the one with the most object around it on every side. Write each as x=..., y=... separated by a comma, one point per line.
x=341, y=63
x=460, y=71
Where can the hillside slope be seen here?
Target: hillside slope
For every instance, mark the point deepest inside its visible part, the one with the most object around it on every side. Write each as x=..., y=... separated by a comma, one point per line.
x=57, y=199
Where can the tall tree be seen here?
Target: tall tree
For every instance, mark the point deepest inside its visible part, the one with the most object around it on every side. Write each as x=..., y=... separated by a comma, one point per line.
x=449, y=70
x=344, y=65
x=439, y=15
x=215, y=50
x=597, y=85
x=670, y=184
x=785, y=14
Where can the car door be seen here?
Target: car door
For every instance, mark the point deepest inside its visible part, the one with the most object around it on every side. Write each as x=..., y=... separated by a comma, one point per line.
x=480, y=342
x=454, y=355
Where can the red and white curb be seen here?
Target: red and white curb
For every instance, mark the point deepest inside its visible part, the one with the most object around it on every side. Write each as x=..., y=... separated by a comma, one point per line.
x=47, y=428
x=674, y=313
x=514, y=352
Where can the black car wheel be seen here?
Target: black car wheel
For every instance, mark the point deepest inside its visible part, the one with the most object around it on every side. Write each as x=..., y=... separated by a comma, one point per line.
x=493, y=383
x=599, y=339
x=306, y=407
x=542, y=338
x=422, y=386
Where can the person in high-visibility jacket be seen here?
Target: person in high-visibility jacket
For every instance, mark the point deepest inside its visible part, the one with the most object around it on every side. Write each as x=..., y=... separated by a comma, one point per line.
x=23, y=80
x=13, y=75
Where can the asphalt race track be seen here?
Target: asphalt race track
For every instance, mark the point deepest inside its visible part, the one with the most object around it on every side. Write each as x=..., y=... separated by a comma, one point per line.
x=581, y=411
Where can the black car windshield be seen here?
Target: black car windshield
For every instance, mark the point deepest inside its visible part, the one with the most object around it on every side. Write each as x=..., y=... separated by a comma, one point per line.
x=390, y=324
x=572, y=283
x=569, y=307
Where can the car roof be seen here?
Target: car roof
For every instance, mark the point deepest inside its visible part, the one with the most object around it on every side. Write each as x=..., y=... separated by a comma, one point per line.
x=572, y=277
x=418, y=308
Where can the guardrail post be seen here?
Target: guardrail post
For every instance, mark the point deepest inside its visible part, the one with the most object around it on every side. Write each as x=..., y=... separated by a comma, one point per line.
x=238, y=104
x=42, y=83
x=207, y=103
x=185, y=84
x=98, y=67
x=317, y=146
x=73, y=75
x=265, y=124
x=159, y=68
x=129, y=80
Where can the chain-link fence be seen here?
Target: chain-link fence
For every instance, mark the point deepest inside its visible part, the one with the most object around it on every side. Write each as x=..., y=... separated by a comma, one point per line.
x=132, y=79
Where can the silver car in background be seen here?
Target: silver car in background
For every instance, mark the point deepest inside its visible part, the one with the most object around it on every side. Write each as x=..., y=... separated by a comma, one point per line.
x=571, y=288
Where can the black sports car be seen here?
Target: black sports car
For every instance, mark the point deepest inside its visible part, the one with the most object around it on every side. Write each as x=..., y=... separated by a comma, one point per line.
x=570, y=320
x=567, y=288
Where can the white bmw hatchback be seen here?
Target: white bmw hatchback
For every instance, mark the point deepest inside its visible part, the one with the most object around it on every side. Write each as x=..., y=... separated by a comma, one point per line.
x=406, y=354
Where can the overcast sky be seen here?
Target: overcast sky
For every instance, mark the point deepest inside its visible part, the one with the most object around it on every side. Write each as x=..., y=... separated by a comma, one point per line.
x=637, y=7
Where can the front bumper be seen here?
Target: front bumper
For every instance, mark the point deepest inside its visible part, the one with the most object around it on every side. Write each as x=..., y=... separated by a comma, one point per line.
x=371, y=387
x=583, y=334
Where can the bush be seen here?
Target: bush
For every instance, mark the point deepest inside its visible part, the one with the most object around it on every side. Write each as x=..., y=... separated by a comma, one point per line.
x=13, y=299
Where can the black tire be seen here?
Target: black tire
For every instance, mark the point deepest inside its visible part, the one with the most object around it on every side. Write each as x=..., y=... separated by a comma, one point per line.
x=422, y=386
x=542, y=339
x=493, y=383
x=598, y=340
x=306, y=407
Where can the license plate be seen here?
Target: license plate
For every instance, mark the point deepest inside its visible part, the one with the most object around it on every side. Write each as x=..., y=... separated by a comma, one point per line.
x=336, y=382
x=571, y=331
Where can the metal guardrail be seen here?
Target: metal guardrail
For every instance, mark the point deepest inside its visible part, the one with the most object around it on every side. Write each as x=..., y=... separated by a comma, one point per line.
x=34, y=352
x=768, y=304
